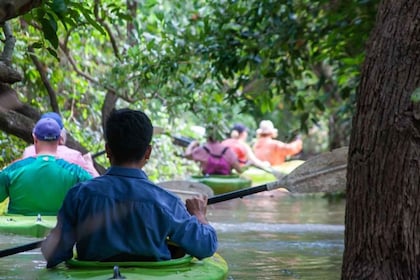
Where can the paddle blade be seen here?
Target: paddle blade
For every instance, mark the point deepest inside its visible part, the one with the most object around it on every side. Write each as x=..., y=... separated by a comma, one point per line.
x=323, y=173
x=158, y=130
x=186, y=189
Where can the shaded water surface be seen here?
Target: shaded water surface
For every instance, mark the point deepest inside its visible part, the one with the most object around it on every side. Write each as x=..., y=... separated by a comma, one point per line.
x=261, y=237
x=281, y=237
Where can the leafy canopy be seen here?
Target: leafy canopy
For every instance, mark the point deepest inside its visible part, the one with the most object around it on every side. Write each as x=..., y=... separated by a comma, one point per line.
x=196, y=62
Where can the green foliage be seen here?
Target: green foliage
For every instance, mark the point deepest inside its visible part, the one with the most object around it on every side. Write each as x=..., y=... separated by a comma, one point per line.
x=10, y=153
x=195, y=62
x=415, y=97
x=207, y=56
x=265, y=45
x=70, y=14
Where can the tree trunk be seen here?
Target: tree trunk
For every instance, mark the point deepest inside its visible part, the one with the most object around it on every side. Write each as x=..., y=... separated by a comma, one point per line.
x=382, y=235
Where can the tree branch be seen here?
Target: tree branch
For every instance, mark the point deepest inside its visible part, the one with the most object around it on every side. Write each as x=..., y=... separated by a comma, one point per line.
x=16, y=124
x=41, y=70
x=8, y=98
x=74, y=65
x=107, y=28
x=9, y=44
x=132, y=10
x=13, y=8
x=108, y=105
x=8, y=74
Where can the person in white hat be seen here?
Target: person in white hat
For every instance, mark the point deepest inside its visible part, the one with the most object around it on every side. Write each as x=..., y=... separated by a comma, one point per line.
x=274, y=151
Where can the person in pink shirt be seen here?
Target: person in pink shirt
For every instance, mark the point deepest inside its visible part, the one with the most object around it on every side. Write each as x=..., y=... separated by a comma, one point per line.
x=274, y=151
x=237, y=142
x=64, y=152
x=214, y=158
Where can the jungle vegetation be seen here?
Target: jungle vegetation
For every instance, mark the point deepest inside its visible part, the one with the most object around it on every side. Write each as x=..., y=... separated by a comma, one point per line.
x=186, y=63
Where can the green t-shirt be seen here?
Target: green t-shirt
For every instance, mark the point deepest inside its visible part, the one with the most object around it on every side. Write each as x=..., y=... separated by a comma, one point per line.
x=37, y=185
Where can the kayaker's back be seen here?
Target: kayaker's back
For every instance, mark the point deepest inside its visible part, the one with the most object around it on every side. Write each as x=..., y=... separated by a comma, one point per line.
x=37, y=185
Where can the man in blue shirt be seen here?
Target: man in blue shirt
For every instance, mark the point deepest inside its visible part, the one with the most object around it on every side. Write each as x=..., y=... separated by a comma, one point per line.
x=124, y=216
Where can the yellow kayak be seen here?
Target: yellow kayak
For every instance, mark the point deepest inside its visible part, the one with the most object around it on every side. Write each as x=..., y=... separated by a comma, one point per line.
x=260, y=177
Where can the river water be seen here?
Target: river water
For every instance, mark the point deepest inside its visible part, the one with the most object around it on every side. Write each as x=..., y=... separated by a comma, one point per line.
x=281, y=236
x=271, y=235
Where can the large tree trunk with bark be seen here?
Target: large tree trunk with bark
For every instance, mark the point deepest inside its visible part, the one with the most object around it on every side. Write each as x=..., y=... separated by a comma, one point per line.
x=382, y=235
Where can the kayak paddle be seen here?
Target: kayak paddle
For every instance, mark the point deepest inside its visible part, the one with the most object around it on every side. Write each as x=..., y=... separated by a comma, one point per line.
x=323, y=173
x=20, y=249
x=186, y=188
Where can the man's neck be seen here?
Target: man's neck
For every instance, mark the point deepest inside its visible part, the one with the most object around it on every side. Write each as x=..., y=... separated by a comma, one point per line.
x=46, y=152
x=137, y=165
x=46, y=149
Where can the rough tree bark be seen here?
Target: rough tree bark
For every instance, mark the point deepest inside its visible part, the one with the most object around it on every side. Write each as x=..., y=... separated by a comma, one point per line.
x=13, y=8
x=382, y=235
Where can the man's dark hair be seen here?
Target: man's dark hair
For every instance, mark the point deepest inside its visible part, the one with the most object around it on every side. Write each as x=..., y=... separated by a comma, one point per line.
x=128, y=134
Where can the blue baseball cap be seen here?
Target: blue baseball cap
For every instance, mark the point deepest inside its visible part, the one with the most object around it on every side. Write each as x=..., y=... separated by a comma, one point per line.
x=54, y=116
x=47, y=129
x=239, y=127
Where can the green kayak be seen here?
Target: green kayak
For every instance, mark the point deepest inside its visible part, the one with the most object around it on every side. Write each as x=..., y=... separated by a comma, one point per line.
x=34, y=226
x=27, y=225
x=223, y=183
x=187, y=267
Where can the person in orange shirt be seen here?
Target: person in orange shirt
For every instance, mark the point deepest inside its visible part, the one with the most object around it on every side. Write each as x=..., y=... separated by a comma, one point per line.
x=237, y=142
x=272, y=150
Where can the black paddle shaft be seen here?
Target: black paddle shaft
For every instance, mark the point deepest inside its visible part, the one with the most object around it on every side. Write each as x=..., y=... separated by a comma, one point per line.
x=237, y=194
x=181, y=141
x=98, y=154
x=19, y=249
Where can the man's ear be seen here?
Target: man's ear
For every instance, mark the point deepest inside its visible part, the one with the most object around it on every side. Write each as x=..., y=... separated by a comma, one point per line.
x=63, y=137
x=148, y=152
x=108, y=151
